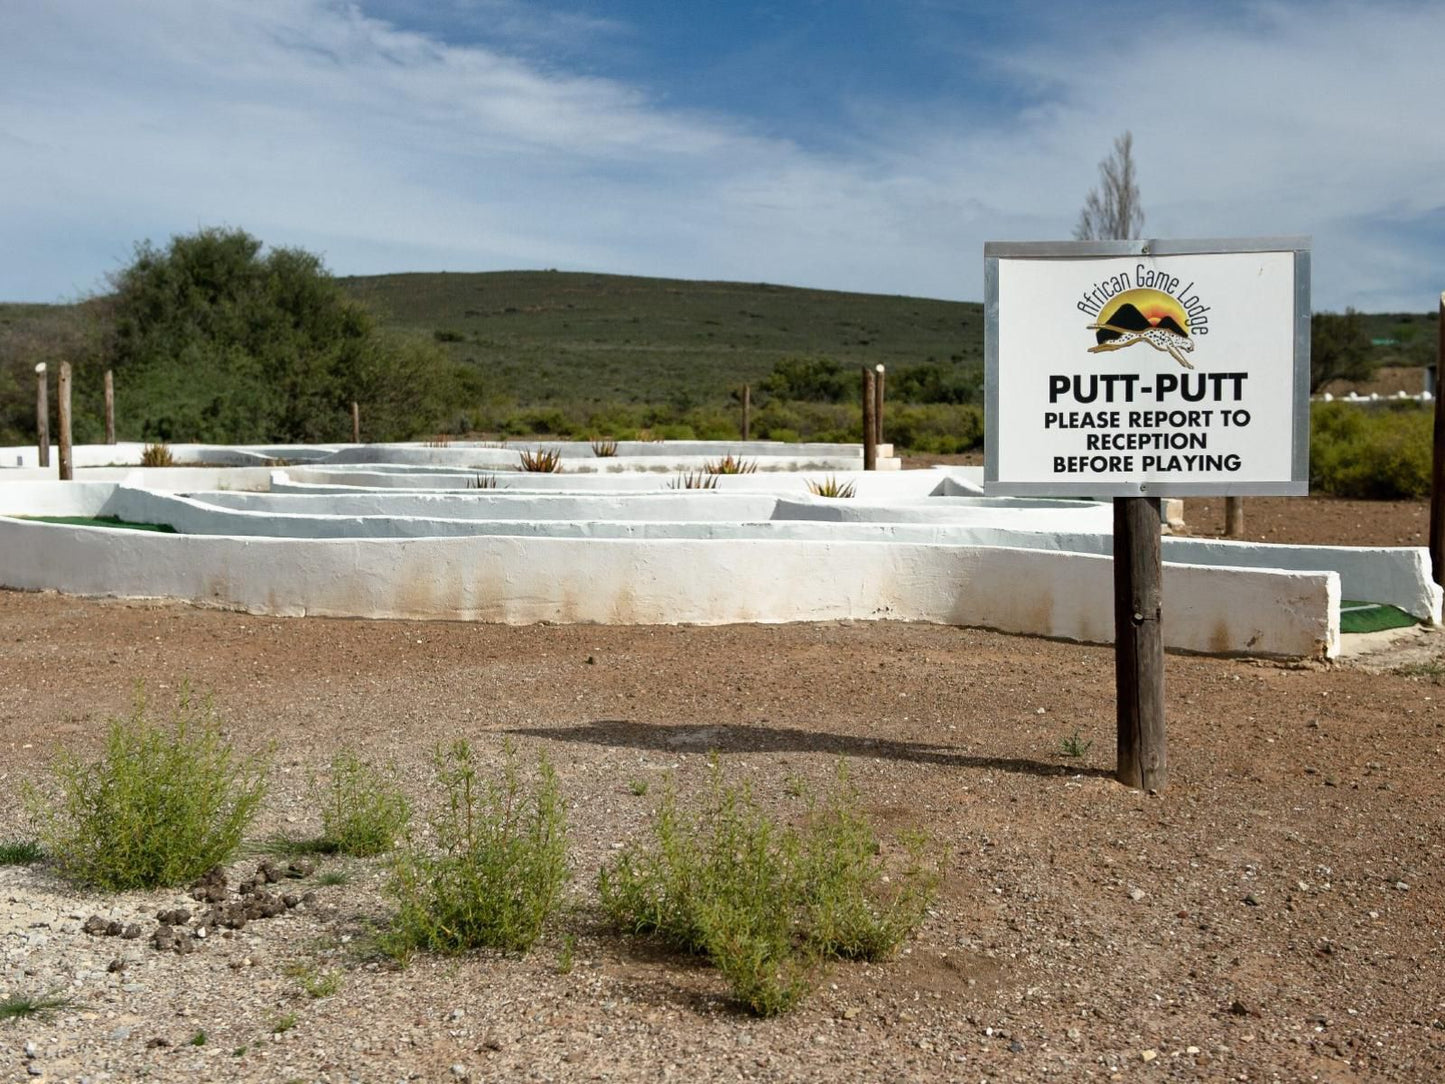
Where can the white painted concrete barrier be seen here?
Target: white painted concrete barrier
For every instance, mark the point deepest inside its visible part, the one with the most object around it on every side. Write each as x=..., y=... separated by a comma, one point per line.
x=526, y=580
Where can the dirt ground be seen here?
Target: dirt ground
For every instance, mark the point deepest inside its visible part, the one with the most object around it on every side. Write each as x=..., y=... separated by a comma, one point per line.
x=1276, y=913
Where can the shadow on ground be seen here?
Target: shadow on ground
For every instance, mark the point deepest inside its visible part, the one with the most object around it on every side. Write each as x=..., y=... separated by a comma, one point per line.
x=731, y=738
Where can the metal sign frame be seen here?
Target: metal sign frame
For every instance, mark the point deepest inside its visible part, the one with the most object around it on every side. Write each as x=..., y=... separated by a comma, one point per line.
x=1296, y=485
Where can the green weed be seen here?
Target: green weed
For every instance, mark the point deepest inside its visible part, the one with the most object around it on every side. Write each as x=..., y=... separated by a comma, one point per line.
x=638, y=787
x=363, y=811
x=198, y=1039
x=766, y=903
x=284, y=1022
x=316, y=984
x=566, y=956
x=604, y=448
x=161, y=806
x=501, y=864
x=39, y=1006
x=1073, y=746
x=334, y=877
x=20, y=852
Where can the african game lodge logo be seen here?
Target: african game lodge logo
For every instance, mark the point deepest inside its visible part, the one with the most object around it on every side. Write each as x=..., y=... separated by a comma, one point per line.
x=1146, y=307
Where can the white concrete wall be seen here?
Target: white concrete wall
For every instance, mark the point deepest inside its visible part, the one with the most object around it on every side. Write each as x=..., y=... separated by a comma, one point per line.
x=527, y=580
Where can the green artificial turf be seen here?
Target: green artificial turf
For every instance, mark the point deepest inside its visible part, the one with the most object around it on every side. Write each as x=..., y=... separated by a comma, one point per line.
x=1372, y=617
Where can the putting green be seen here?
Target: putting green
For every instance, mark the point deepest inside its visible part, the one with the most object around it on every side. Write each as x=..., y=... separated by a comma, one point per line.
x=1372, y=617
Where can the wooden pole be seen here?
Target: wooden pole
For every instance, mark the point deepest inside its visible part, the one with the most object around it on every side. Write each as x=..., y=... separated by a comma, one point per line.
x=1437, y=473
x=109, y=407
x=42, y=415
x=870, y=420
x=878, y=405
x=355, y=422
x=747, y=412
x=1233, y=517
x=1142, y=759
x=62, y=394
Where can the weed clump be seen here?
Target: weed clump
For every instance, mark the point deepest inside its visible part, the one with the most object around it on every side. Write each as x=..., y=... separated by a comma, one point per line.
x=767, y=903
x=831, y=487
x=542, y=461
x=157, y=455
x=694, y=480
x=729, y=465
x=20, y=852
x=162, y=805
x=364, y=810
x=500, y=864
x=604, y=448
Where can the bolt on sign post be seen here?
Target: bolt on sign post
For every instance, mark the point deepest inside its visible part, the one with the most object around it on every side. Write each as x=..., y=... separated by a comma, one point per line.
x=42, y=416
x=1137, y=370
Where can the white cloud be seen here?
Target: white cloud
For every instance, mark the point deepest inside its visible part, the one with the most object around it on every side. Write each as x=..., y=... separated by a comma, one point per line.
x=309, y=123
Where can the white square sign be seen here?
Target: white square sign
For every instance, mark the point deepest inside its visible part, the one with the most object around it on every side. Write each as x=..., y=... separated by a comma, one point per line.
x=1147, y=368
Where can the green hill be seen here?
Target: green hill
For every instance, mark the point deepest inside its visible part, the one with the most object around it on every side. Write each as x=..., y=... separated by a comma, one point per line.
x=543, y=337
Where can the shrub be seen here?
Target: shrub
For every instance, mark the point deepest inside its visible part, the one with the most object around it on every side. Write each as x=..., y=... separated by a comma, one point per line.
x=500, y=866
x=20, y=852
x=364, y=811
x=161, y=806
x=764, y=902
x=604, y=448
x=156, y=455
x=1380, y=453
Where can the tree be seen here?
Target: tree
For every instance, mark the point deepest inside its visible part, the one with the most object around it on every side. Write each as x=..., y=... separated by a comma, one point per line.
x=1339, y=348
x=213, y=340
x=1112, y=211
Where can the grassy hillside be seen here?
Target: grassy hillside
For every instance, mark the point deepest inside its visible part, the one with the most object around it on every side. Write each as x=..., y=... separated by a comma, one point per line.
x=546, y=336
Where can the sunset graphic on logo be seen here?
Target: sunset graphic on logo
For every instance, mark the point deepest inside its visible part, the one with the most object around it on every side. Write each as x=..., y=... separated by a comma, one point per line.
x=1144, y=316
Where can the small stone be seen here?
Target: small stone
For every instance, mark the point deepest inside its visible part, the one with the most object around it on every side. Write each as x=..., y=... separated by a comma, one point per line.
x=34, y=1070
x=1251, y=900
x=131, y=932
x=850, y=1013
x=1149, y=1055
x=1074, y=1034
x=1238, y=1008
x=1016, y=1047
x=460, y=1071
x=133, y=987
x=1137, y=894
x=122, y=1032
x=96, y=925
x=1402, y=886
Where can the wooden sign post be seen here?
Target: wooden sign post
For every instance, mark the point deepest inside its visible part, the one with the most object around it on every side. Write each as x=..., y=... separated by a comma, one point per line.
x=1437, y=472
x=355, y=422
x=1142, y=369
x=878, y=404
x=747, y=411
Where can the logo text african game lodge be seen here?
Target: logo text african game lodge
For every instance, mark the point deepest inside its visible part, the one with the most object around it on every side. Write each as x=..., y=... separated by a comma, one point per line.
x=1147, y=307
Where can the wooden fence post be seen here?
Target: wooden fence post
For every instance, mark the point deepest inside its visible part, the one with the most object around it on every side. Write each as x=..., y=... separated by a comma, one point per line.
x=62, y=390
x=109, y=407
x=42, y=415
x=1142, y=757
x=1233, y=517
x=355, y=422
x=870, y=420
x=747, y=412
x=878, y=405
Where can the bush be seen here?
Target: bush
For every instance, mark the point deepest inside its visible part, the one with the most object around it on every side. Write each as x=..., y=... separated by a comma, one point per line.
x=764, y=902
x=163, y=805
x=500, y=867
x=1379, y=452
x=157, y=455
x=364, y=811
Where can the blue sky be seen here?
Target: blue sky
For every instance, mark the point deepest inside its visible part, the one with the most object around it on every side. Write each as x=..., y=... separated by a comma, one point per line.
x=869, y=145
